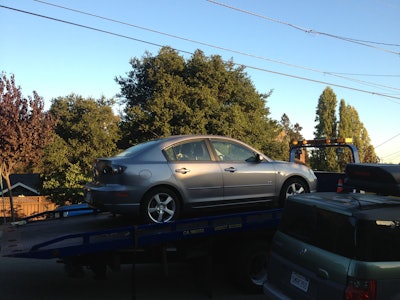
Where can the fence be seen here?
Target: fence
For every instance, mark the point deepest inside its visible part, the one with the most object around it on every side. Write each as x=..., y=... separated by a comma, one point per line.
x=25, y=206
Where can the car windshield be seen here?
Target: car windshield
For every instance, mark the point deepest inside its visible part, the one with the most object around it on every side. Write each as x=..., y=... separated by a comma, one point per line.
x=136, y=149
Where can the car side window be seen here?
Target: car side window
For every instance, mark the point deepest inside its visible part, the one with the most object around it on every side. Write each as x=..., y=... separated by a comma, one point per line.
x=195, y=150
x=229, y=151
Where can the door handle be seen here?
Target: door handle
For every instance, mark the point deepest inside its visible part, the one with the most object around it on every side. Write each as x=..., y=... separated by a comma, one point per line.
x=321, y=273
x=230, y=169
x=182, y=170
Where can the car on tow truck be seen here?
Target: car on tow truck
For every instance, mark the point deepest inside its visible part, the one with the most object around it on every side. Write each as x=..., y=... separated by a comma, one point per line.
x=162, y=179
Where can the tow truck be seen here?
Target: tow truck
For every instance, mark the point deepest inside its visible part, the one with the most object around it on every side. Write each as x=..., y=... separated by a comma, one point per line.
x=101, y=241
x=80, y=237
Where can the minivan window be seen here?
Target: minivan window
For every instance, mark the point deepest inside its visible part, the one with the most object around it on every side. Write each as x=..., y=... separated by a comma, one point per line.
x=378, y=240
x=324, y=229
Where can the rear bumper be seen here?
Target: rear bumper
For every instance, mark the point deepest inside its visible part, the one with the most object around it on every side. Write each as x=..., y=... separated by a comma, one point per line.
x=114, y=198
x=273, y=293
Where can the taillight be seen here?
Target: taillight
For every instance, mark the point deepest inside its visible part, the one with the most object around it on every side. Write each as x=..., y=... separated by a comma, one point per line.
x=113, y=169
x=360, y=289
x=105, y=168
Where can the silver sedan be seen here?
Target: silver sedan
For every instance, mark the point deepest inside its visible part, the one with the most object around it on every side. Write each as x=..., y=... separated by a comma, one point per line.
x=163, y=179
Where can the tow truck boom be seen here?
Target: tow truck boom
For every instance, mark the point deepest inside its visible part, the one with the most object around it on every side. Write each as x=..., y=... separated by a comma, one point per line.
x=327, y=181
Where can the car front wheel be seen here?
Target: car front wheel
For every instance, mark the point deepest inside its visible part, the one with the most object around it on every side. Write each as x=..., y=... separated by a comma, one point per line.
x=291, y=187
x=160, y=205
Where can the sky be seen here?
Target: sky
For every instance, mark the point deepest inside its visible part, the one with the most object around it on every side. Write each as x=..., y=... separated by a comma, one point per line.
x=294, y=48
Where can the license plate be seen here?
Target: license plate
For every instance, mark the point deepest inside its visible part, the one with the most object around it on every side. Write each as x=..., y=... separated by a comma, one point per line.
x=299, y=281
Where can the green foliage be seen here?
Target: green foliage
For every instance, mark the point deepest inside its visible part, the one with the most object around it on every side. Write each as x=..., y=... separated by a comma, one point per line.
x=325, y=158
x=289, y=133
x=349, y=126
x=87, y=129
x=166, y=95
x=326, y=114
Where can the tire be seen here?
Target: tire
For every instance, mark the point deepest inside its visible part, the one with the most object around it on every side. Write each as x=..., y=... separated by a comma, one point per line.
x=292, y=186
x=249, y=265
x=160, y=205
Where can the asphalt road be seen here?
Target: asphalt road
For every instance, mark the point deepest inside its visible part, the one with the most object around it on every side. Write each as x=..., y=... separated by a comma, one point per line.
x=33, y=279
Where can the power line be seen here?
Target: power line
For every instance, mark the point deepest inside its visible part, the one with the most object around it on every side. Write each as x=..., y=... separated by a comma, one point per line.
x=392, y=154
x=88, y=27
x=392, y=138
x=218, y=47
x=183, y=51
x=372, y=75
x=347, y=39
x=395, y=153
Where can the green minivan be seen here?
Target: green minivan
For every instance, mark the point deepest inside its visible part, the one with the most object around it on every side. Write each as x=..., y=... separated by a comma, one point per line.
x=336, y=246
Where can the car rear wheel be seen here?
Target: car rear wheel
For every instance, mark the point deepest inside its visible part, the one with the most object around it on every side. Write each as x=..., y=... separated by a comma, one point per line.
x=160, y=205
x=291, y=187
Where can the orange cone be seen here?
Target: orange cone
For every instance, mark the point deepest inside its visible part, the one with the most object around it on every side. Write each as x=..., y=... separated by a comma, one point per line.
x=339, y=188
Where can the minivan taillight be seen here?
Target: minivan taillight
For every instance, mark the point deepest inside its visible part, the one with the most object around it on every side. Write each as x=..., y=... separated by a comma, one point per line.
x=360, y=289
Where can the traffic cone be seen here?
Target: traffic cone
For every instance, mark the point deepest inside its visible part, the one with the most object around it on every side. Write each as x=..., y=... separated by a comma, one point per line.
x=339, y=188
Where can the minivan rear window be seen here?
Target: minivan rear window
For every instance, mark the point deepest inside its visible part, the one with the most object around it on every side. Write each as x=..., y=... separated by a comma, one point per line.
x=361, y=239
x=324, y=229
x=378, y=240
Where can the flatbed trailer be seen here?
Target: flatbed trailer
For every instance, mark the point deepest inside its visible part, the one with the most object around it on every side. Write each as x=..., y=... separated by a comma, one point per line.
x=102, y=241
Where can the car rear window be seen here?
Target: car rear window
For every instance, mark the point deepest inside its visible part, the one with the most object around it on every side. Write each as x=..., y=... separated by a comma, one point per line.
x=136, y=149
x=361, y=239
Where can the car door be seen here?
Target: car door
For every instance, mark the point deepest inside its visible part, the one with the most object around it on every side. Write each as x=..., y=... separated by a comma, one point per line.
x=245, y=178
x=198, y=176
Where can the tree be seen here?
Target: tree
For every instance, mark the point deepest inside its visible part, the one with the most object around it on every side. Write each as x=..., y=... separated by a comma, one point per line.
x=25, y=129
x=87, y=129
x=289, y=133
x=325, y=159
x=351, y=126
x=166, y=95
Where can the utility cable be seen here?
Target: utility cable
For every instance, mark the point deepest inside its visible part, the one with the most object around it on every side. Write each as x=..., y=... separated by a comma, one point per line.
x=347, y=39
x=87, y=27
x=183, y=51
x=218, y=47
x=389, y=155
x=392, y=138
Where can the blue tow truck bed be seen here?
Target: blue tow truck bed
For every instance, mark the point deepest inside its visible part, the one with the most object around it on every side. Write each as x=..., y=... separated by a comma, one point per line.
x=99, y=232
x=100, y=241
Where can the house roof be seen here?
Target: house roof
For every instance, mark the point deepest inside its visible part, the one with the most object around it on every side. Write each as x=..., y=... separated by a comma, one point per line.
x=23, y=182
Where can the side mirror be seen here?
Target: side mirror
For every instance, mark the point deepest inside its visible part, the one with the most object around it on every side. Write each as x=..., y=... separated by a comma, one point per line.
x=259, y=157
